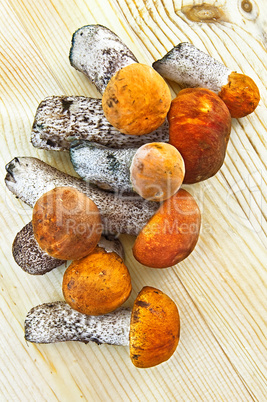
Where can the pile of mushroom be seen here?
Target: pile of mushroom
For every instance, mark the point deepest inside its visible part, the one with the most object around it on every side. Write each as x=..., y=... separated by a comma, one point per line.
x=137, y=142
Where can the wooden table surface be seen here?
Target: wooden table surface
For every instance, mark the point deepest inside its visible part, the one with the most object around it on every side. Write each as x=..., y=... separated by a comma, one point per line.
x=220, y=288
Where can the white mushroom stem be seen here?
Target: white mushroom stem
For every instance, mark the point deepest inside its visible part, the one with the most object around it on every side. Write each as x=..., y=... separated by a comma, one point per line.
x=108, y=168
x=189, y=66
x=62, y=119
x=32, y=259
x=58, y=322
x=29, y=178
x=99, y=53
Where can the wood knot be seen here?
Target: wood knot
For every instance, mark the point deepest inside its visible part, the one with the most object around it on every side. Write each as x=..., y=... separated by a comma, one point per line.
x=246, y=6
x=203, y=13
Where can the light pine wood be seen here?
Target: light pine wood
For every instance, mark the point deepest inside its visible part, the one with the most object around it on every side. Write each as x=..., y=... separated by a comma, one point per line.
x=221, y=288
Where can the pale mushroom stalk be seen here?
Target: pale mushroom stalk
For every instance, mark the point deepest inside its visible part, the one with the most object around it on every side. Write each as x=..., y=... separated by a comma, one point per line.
x=99, y=53
x=151, y=328
x=32, y=259
x=190, y=67
x=58, y=322
x=155, y=170
x=62, y=119
x=28, y=178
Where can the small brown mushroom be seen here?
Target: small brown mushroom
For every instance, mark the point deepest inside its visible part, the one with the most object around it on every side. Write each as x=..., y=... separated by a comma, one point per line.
x=97, y=284
x=152, y=329
x=189, y=66
x=171, y=234
x=66, y=223
x=155, y=170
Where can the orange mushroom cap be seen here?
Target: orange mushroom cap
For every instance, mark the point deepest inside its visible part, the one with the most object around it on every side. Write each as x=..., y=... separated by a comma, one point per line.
x=157, y=171
x=241, y=95
x=171, y=234
x=136, y=100
x=154, y=329
x=97, y=284
x=66, y=223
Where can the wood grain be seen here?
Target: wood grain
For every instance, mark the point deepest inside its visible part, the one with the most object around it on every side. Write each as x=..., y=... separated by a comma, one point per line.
x=221, y=288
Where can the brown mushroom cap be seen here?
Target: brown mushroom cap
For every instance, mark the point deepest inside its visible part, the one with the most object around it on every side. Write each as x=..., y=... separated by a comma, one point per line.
x=171, y=234
x=241, y=95
x=66, y=223
x=136, y=100
x=97, y=284
x=157, y=171
x=154, y=329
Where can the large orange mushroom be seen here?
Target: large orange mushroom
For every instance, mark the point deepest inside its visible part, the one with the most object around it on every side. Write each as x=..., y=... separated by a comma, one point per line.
x=171, y=234
x=136, y=99
x=151, y=329
x=98, y=283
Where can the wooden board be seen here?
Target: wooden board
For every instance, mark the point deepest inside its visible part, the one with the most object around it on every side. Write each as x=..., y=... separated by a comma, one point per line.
x=221, y=288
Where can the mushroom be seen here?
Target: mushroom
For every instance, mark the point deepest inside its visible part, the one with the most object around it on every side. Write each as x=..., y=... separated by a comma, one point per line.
x=151, y=329
x=189, y=66
x=155, y=170
x=200, y=126
x=171, y=234
x=66, y=223
x=62, y=119
x=32, y=259
x=28, y=178
x=97, y=284
x=136, y=98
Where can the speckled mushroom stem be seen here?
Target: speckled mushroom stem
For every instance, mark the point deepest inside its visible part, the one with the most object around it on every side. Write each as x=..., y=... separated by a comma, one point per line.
x=155, y=170
x=32, y=259
x=62, y=119
x=99, y=53
x=28, y=178
x=190, y=67
x=58, y=322
x=108, y=168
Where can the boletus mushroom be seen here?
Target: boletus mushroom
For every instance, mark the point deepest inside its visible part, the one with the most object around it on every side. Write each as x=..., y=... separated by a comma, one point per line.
x=171, y=234
x=200, y=126
x=155, y=170
x=66, y=223
x=151, y=329
x=98, y=283
x=59, y=120
x=28, y=178
x=190, y=67
x=136, y=98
